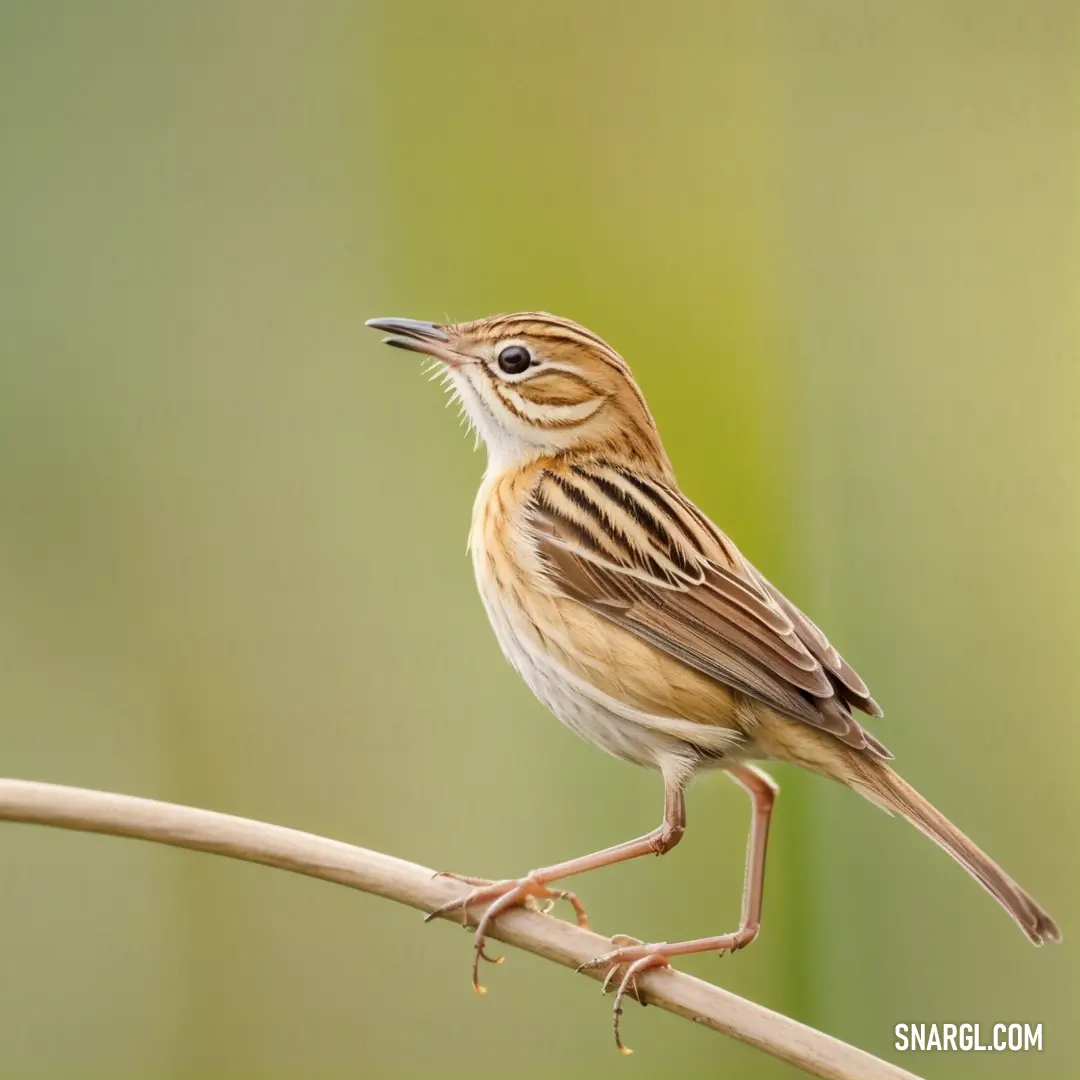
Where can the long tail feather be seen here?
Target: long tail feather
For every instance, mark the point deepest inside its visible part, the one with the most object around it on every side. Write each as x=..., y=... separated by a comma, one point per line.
x=880, y=784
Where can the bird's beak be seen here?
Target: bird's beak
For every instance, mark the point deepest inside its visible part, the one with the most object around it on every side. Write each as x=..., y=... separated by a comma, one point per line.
x=417, y=336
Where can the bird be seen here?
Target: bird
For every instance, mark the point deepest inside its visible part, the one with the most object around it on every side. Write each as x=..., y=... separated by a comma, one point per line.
x=641, y=625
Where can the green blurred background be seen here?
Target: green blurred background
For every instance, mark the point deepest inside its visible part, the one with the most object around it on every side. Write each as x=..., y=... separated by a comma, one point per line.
x=837, y=242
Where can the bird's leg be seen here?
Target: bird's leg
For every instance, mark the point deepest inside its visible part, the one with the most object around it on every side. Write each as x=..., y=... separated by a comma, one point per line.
x=762, y=790
x=499, y=896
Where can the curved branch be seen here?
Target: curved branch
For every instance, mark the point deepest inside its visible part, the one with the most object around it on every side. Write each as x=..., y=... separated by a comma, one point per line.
x=406, y=883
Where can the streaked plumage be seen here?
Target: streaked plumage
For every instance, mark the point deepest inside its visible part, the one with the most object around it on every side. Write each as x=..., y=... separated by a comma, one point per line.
x=636, y=620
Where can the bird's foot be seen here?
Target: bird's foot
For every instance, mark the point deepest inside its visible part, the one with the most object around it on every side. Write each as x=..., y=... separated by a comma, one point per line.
x=529, y=891
x=632, y=957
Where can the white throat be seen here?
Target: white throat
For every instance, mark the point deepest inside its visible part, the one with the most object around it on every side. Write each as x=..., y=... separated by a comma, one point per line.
x=506, y=448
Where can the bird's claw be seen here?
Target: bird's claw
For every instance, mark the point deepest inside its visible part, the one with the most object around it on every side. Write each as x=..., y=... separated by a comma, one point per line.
x=462, y=877
x=500, y=896
x=635, y=957
x=621, y=941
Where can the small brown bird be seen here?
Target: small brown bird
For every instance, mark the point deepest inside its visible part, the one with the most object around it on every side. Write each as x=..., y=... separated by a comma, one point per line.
x=636, y=621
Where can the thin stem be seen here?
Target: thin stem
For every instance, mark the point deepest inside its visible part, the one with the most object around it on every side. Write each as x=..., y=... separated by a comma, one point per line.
x=406, y=883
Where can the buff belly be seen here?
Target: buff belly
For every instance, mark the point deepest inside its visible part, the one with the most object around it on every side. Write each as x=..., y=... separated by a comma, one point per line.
x=667, y=743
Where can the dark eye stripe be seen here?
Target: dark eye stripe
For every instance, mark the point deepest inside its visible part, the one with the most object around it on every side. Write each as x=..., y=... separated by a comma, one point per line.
x=572, y=389
x=534, y=395
x=556, y=402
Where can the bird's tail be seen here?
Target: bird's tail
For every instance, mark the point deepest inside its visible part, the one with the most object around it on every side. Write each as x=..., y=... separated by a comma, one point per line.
x=877, y=782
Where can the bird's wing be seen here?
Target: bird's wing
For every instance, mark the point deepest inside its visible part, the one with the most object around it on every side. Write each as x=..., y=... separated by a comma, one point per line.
x=636, y=551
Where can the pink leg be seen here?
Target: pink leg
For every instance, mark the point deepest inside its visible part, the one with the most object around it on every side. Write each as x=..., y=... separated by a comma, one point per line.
x=762, y=790
x=502, y=895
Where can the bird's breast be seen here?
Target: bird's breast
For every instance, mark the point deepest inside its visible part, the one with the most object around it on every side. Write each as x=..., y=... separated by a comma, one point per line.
x=604, y=682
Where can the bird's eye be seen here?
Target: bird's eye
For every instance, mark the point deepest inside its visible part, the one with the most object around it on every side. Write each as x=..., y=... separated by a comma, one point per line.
x=514, y=359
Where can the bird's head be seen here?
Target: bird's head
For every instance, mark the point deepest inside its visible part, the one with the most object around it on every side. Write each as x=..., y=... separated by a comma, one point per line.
x=533, y=385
